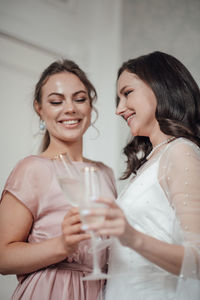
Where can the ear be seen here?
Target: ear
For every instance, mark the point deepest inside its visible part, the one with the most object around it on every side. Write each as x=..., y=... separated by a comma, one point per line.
x=37, y=107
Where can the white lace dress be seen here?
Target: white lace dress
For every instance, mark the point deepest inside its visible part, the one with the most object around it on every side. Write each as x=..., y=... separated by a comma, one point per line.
x=163, y=201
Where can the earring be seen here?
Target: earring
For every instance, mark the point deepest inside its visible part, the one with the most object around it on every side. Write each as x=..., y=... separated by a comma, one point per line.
x=42, y=125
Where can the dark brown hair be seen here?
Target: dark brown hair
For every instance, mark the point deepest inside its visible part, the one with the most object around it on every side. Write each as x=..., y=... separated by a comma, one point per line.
x=56, y=67
x=178, y=102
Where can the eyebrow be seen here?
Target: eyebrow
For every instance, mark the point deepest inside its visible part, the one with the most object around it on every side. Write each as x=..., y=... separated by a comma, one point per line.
x=78, y=92
x=62, y=95
x=56, y=94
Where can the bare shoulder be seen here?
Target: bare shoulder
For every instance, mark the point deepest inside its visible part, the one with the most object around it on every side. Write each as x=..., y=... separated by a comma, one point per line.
x=33, y=163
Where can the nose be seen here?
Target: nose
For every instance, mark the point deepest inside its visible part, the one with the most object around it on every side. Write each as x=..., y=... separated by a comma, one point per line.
x=69, y=106
x=121, y=108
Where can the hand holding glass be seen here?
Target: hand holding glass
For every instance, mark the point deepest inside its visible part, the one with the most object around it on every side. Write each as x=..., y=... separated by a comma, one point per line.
x=81, y=189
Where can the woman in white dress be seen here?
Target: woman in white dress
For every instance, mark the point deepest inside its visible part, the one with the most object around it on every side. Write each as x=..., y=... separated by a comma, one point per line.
x=157, y=216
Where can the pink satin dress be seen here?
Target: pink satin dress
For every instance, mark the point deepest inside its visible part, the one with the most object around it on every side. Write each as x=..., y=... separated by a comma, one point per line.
x=33, y=182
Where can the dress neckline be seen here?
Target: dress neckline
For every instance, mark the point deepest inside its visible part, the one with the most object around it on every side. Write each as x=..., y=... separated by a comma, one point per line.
x=73, y=161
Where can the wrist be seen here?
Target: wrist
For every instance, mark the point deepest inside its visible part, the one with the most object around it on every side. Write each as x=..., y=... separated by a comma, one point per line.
x=132, y=238
x=60, y=249
x=137, y=241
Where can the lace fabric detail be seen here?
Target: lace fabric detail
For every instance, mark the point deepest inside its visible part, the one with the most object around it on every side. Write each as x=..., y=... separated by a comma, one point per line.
x=179, y=174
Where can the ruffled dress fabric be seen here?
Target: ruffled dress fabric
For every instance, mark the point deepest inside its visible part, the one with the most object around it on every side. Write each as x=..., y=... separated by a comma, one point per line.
x=34, y=183
x=162, y=201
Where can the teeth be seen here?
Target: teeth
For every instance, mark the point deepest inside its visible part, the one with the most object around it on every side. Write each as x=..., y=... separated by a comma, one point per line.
x=130, y=117
x=69, y=122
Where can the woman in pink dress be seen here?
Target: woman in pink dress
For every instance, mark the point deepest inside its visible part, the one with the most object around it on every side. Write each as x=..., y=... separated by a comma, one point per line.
x=41, y=237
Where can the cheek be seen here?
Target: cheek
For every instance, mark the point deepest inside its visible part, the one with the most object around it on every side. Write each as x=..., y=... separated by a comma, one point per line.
x=51, y=112
x=48, y=116
x=133, y=102
x=150, y=105
x=153, y=103
x=153, y=110
x=87, y=121
x=87, y=112
x=89, y=116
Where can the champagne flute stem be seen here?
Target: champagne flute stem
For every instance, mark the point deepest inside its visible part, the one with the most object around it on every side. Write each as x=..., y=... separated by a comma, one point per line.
x=96, y=268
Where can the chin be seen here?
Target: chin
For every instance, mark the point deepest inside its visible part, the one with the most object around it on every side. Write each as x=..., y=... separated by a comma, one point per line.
x=72, y=139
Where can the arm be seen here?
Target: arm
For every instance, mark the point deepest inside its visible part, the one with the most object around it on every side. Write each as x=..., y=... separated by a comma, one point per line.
x=167, y=256
x=18, y=256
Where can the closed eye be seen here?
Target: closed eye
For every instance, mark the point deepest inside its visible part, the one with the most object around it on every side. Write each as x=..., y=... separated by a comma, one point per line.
x=56, y=102
x=80, y=100
x=126, y=93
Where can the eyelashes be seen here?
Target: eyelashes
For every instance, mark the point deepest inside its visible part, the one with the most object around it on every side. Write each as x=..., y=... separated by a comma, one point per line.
x=81, y=100
x=55, y=102
x=126, y=93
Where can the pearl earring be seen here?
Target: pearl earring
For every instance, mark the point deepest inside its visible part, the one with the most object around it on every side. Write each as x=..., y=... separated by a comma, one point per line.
x=42, y=125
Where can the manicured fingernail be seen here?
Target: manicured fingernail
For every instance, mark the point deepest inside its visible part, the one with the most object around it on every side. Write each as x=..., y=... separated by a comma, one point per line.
x=85, y=212
x=84, y=227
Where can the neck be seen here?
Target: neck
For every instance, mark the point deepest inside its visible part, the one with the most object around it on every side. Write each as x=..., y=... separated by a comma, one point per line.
x=159, y=145
x=72, y=149
x=158, y=138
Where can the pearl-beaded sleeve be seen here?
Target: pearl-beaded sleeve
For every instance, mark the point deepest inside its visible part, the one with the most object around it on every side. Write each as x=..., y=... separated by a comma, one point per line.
x=179, y=176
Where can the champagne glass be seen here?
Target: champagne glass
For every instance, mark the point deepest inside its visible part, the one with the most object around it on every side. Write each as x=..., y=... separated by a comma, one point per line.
x=69, y=179
x=81, y=188
x=92, y=193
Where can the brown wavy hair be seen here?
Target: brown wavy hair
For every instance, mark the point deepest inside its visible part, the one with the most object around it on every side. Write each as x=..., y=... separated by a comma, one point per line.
x=56, y=67
x=178, y=103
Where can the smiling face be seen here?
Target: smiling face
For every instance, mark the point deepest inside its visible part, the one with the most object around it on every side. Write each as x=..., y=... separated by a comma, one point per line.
x=137, y=104
x=65, y=108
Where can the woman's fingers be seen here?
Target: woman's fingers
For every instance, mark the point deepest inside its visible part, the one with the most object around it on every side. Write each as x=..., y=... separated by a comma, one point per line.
x=74, y=239
x=113, y=223
x=108, y=227
x=70, y=220
x=74, y=211
x=107, y=212
x=72, y=217
x=71, y=224
x=107, y=201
